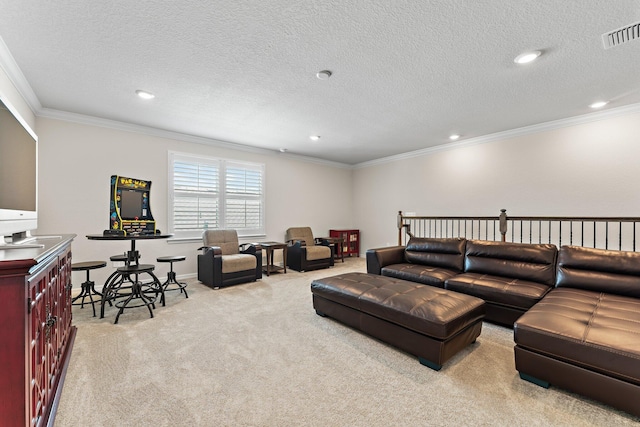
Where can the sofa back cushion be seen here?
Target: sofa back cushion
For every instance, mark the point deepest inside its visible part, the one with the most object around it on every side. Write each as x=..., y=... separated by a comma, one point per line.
x=442, y=253
x=227, y=240
x=524, y=261
x=600, y=270
x=300, y=233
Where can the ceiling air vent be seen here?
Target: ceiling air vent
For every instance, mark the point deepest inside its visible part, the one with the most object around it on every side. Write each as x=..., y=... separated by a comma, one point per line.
x=621, y=35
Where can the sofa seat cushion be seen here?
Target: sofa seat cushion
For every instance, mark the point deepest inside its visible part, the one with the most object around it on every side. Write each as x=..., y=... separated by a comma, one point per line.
x=434, y=312
x=318, y=252
x=521, y=294
x=238, y=262
x=597, y=331
x=428, y=275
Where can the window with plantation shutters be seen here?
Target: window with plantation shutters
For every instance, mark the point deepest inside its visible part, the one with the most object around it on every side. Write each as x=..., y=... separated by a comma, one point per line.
x=243, y=196
x=208, y=193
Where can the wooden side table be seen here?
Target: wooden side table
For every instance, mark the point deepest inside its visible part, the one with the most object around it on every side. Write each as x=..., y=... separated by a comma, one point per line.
x=338, y=246
x=269, y=247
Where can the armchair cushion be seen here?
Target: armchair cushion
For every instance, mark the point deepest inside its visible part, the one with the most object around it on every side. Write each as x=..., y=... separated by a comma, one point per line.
x=238, y=262
x=318, y=252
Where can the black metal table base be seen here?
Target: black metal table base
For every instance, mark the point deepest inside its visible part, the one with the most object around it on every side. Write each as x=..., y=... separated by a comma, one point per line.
x=128, y=291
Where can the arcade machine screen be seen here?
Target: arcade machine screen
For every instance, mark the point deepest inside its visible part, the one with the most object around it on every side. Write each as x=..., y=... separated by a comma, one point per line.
x=131, y=205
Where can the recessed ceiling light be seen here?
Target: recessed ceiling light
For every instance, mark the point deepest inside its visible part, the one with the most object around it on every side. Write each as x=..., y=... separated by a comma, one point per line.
x=598, y=104
x=144, y=94
x=283, y=150
x=323, y=75
x=454, y=136
x=525, y=58
x=315, y=137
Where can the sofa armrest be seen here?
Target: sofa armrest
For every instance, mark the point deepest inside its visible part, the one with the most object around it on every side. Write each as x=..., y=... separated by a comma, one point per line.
x=296, y=242
x=249, y=248
x=210, y=265
x=296, y=246
x=381, y=257
x=210, y=250
x=256, y=250
x=323, y=241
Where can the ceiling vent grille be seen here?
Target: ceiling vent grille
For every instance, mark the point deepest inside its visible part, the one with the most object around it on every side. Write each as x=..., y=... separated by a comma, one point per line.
x=621, y=35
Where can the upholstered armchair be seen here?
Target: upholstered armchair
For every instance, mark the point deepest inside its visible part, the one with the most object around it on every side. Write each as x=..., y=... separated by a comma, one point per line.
x=304, y=252
x=224, y=262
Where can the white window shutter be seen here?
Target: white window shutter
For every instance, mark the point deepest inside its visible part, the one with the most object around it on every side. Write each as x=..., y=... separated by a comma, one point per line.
x=208, y=193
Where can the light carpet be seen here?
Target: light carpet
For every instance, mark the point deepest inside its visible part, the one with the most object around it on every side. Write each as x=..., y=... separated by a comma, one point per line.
x=256, y=354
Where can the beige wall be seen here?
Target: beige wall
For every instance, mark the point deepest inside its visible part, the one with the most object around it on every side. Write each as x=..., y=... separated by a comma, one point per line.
x=77, y=161
x=589, y=169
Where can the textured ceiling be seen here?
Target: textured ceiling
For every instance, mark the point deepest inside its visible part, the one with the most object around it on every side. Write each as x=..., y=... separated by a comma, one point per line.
x=406, y=74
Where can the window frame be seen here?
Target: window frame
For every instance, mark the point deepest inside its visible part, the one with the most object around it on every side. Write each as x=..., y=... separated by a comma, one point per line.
x=221, y=194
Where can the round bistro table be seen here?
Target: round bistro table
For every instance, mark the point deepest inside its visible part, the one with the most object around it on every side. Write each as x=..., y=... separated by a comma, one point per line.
x=140, y=292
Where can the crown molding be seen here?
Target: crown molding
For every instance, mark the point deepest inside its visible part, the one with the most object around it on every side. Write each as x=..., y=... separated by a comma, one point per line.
x=485, y=139
x=315, y=160
x=11, y=69
x=161, y=133
x=512, y=133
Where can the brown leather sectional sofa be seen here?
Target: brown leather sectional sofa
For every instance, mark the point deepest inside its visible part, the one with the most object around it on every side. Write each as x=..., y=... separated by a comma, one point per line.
x=584, y=336
x=575, y=312
x=509, y=277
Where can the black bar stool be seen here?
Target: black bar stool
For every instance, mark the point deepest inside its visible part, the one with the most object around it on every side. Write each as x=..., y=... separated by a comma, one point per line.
x=172, y=284
x=120, y=284
x=117, y=280
x=88, y=287
x=146, y=293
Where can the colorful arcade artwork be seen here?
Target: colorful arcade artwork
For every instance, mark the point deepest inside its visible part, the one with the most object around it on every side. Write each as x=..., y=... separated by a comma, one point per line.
x=130, y=211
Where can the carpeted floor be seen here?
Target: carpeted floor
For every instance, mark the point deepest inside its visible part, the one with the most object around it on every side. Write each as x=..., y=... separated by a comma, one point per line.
x=257, y=355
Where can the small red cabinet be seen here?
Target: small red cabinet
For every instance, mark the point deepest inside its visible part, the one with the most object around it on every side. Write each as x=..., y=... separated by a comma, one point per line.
x=350, y=241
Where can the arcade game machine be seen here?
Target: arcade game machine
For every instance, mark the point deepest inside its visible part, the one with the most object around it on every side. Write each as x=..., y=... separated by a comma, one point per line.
x=130, y=212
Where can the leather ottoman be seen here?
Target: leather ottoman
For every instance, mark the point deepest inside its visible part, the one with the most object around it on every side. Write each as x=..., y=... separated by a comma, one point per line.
x=431, y=323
